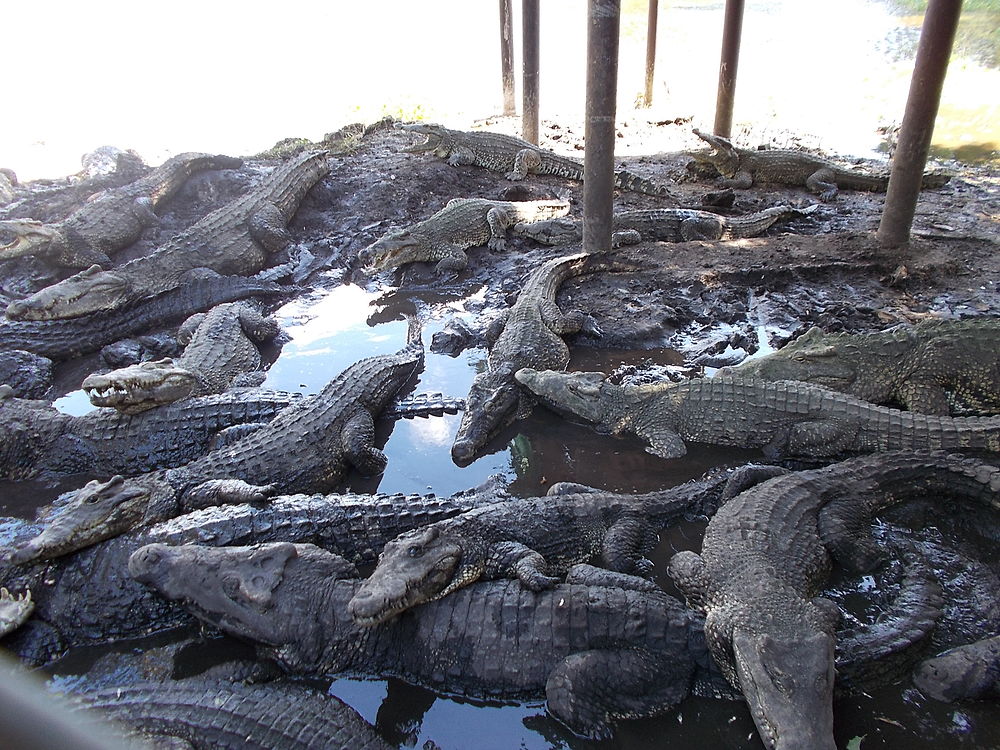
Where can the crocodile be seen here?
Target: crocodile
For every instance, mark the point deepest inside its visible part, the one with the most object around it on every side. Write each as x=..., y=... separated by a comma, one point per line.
x=784, y=418
x=743, y=168
x=14, y=610
x=512, y=156
x=932, y=367
x=27, y=373
x=534, y=540
x=308, y=447
x=662, y=225
x=71, y=337
x=109, y=221
x=529, y=334
x=213, y=715
x=222, y=350
x=964, y=672
x=764, y=558
x=237, y=239
x=461, y=224
x=88, y=598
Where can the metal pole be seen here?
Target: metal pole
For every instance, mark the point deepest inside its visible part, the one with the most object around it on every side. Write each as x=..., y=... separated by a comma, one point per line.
x=731, y=32
x=650, y=51
x=599, y=133
x=936, y=38
x=529, y=63
x=507, y=56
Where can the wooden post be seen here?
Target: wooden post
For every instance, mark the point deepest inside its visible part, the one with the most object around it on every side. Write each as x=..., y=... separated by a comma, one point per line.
x=650, y=52
x=507, y=56
x=731, y=32
x=529, y=63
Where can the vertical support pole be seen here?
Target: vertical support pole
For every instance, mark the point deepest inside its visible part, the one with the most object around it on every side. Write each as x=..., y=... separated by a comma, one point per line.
x=599, y=133
x=731, y=33
x=650, y=52
x=529, y=64
x=930, y=67
x=507, y=56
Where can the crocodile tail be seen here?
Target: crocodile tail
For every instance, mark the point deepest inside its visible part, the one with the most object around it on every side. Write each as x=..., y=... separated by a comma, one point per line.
x=626, y=180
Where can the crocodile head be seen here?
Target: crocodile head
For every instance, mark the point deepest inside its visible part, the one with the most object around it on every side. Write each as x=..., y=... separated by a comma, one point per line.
x=961, y=673
x=491, y=405
x=88, y=291
x=559, y=231
x=416, y=567
x=437, y=139
x=97, y=511
x=394, y=250
x=140, y=387
x=582, y=394
x=30, y=237
x=724, y=156
x=810, y=358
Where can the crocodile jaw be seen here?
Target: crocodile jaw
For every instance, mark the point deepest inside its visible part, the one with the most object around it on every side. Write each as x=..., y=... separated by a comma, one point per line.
x=490, y=406
x=30, y=237
x=86, y=292
x=135, y=389
x=434, y=138
x=394, y=250
x=578, y=393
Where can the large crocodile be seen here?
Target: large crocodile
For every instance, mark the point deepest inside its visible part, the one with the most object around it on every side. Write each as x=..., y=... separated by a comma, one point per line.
x=928, y=367
x=109, y=221
x=764, y=558
x=222, y=349
x=215, y=715
x=514, y=157
x=461, y=224
x=308, y=447
x=743, y=168
x=662, y=225
x=235, y=239
x=529, y=334
x=964, y=672
x=783, y=418
x=71, y=337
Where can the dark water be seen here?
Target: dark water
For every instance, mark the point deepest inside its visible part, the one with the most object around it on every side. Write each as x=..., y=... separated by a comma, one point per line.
x=333, y=328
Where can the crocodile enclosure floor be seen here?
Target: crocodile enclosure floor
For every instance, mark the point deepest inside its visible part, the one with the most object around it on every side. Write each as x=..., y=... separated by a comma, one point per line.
x=691, y=307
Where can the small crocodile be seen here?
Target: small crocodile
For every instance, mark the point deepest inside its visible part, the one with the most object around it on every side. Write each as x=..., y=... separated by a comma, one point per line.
x=743, y=168
x=930, y=367
x=662, y=225
x=109, y=221
x=461, y=224
x=783, y=418
x=235, y=239
x=307, y=447
x=961, y=673
x=222, y=349
x=764, y=558
x=72, y=337
x=529, y=334
x=514, y=157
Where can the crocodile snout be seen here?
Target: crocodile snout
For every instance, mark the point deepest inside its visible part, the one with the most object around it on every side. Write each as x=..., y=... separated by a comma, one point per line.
x=145, y=561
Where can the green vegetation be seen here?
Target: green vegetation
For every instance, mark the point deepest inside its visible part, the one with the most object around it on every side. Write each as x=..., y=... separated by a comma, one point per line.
x=978, y=33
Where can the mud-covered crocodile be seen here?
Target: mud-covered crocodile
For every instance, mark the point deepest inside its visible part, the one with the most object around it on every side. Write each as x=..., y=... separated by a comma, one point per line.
x=109, y=221
x=71, y=337
x=783, y=417
x=662, y=225
x=235, y=239
x=308, y=447
x=535, y=540
x=213, y=714
x=222, y=349
x=462, y=223
x=929, y=367
x=512, y=156
x=764, y=558
x=965, y=672
x=529, y=334
x=743, y=168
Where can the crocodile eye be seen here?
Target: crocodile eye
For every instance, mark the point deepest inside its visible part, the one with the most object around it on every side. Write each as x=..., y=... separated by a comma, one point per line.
x=414, y=550
x=231, y=586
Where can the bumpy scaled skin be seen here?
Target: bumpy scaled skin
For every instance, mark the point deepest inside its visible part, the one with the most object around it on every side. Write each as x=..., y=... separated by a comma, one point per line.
x=463, y=223
x=308, y=447
x=533, y=540
x=743, y=168
x=213, y=715
x=111, y=220
x=971, y=671
x=14, y=610
x=529, y=334
x=514, y=157
x=71, y=337
x=235, y=239
x=766, y=554
x=662, y=225
x=598, y=653
x=222, y=346
x=782, y=418
x=88, y=598
x=927, y=367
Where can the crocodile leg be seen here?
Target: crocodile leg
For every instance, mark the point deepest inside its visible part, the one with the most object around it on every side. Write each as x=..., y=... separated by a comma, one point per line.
x=460, y=156
x=516, y=560
x=626, y=544
x=925, y=398
x=226, y=492
x=663, y=441
x=259, y=328
x=455, y=261
x=700, y=229
x=525, y=160
x=142, y=209
x=562, y=324
x=591, y=575
x=625, y=237
x=820, y=437
x=358, y=442
x=499, y=220
x=823, y=183
x=741, y=180
x=267, y=227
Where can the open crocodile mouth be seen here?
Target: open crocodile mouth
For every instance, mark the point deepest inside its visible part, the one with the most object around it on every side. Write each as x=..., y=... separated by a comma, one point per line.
x=28, y=234
x=99, y=290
